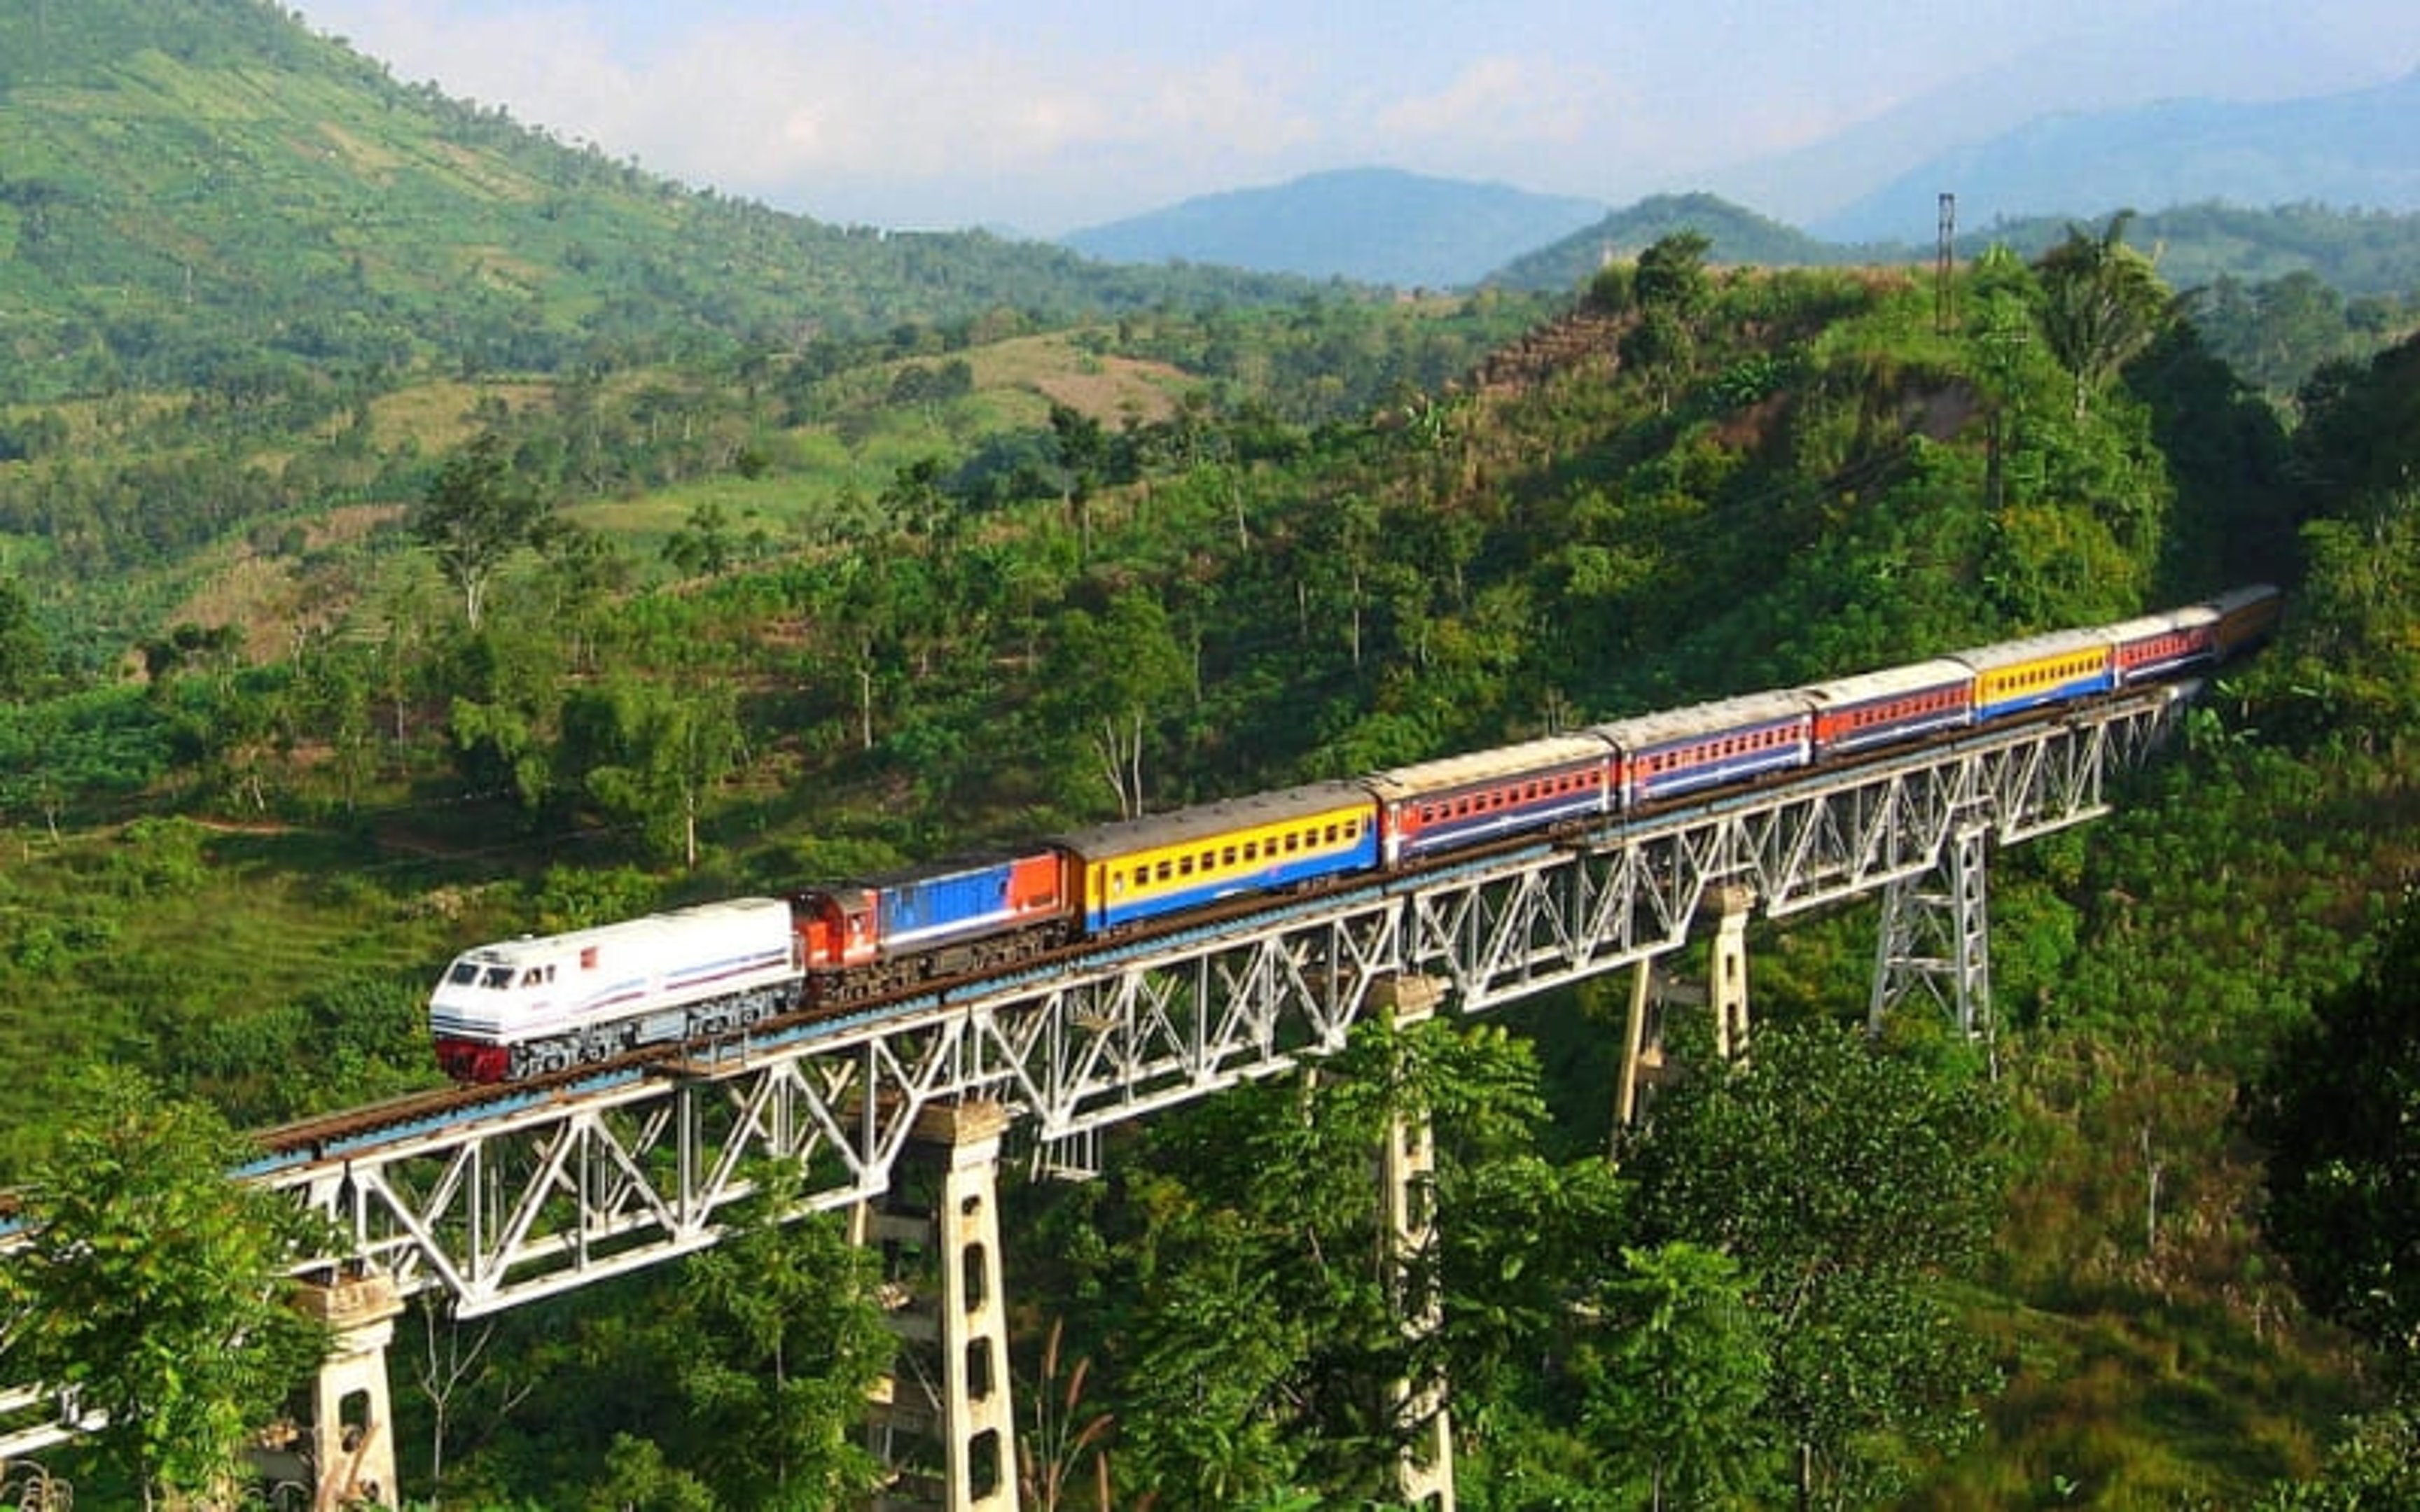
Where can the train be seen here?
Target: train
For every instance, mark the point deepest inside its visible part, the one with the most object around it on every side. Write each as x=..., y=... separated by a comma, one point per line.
x=532, y=1006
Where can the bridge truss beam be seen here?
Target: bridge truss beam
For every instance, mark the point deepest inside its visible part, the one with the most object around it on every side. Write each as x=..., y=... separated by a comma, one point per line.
x=538, y=1193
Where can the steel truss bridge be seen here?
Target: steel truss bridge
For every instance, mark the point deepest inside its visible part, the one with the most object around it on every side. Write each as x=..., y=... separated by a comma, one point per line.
x=531, y=1194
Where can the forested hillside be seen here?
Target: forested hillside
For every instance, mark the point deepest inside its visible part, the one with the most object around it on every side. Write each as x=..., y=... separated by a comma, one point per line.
x=205, y=194
x=519, y=646
x=2276, y=292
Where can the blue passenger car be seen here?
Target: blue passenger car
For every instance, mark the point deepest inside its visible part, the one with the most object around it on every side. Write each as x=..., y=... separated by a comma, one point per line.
x=1730, y=740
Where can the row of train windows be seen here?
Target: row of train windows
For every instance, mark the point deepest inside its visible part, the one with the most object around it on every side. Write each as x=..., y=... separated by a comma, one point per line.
x=1717, y=750
x=1464, y=806
x=1247, y=853
x=2168, y=645
x=2056, y=671
x=1947, y=697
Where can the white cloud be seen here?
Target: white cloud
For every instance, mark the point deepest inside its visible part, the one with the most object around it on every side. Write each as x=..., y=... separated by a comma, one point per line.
x=1049, y=113
x=1504, y=100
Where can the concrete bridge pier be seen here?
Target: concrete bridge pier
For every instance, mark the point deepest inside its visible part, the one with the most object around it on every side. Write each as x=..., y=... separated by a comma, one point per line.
x=1407, y=1177
x=353, y=1427
x=955, y=1381
x=1724, y=993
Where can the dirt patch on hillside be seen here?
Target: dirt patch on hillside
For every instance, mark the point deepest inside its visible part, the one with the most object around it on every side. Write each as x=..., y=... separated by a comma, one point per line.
x=1121, y=390
x=1104, y=388
x=275, y=597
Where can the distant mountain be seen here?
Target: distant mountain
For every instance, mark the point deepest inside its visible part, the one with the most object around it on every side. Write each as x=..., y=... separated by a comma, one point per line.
x=2352, y=150
x=1375, y=225
x=1738, y=236
x=2114, y=59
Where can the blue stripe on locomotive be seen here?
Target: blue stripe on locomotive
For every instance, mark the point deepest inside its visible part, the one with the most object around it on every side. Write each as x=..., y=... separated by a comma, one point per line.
x=958, y=902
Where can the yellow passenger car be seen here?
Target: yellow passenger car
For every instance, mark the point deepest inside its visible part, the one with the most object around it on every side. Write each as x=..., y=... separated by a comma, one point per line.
x=2016, y=676
x=1139, y=869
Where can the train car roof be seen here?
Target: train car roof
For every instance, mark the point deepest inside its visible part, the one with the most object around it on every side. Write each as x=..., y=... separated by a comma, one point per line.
x=1545, y=754
x=534, y=948
x=965, y=863
x=1722, y=715
x=2236, y=598
x=1888, y=682
x=2032, y=648
x=1206, y=820
x=2162, y=622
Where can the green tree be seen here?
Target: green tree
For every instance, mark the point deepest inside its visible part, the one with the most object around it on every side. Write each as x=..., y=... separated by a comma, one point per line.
x=1261, y=1327
x=24, y=656
x=2360, y=435
x=2374, y=1468
x=1851, y=1183
x=1115, y=677
x=1674, y=1400
x=2101, y=305
x=648, y=756
x=703, y=544
x=639, y=1478
x=783, y=1342
x=1670, y=289
x=2361, y=598
x=153, y=1287
x=1083, y=450
x=474, y=517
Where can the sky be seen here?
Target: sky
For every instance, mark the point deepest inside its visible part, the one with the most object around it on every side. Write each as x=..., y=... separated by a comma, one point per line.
x=1039, y=118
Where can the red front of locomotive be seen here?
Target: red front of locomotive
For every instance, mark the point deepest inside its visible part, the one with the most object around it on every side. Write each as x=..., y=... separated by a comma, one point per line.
x=839, y=929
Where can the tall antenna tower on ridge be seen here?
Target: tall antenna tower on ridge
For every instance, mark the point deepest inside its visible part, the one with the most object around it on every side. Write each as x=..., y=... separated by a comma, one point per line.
x=1945, y=258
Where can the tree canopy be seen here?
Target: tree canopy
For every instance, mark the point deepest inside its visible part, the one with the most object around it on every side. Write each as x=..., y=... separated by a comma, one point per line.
x=474, y=516
x=1851, y=1184
x=2101, y=304
x=155, y=1290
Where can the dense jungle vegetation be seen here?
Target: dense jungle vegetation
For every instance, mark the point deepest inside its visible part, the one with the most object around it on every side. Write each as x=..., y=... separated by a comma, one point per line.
x=307, y=682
